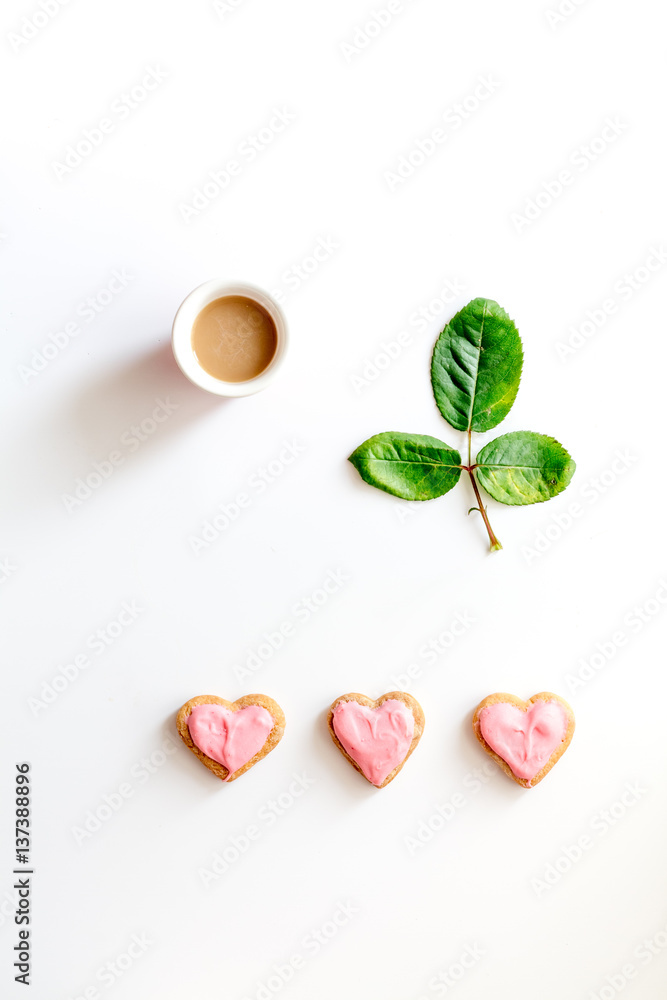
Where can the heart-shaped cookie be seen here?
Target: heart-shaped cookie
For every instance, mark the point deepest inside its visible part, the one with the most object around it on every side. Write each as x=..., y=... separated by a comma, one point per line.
x=230, y=737
x=525, y=737
x=377, y=737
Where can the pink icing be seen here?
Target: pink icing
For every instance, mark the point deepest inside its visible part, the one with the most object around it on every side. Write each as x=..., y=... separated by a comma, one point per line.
x=524, y=739
x=230, y=738
x=377, y=739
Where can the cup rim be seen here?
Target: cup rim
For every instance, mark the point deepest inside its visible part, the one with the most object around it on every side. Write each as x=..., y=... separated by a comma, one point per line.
x=181, y=336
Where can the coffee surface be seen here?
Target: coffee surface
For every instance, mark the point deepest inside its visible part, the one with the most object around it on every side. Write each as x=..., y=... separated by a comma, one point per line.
x=234, y=338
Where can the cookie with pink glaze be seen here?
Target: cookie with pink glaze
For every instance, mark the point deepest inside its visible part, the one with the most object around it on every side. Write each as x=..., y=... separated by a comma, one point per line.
x=525, y=737
x=230, y=737
x=376, y=737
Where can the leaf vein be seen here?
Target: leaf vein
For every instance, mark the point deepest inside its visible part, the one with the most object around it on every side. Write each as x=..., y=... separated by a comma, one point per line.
x=474, y=388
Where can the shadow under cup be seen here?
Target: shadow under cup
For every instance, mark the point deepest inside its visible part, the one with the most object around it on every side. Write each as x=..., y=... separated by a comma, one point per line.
x=182, y=337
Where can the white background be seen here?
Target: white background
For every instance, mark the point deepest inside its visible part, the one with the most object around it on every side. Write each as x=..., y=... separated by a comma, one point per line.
x=479, y=883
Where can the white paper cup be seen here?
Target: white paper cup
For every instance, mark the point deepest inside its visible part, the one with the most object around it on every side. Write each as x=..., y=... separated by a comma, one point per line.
x=181, y=337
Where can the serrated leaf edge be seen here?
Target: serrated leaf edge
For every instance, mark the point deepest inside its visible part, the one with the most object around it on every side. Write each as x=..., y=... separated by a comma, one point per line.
x=508, y=396
x=552, y=440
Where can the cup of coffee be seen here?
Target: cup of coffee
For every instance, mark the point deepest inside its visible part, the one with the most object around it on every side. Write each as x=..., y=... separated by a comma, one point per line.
x=229, y=338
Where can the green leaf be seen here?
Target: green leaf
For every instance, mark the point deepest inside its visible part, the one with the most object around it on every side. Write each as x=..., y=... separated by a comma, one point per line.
x=476, y=367
x=524, y=467
x=411, y=466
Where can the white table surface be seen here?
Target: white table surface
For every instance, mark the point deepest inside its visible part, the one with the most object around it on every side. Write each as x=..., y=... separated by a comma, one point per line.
x=490, y=905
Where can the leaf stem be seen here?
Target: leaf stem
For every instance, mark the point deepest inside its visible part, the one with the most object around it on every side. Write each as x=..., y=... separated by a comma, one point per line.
x=495, y=544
